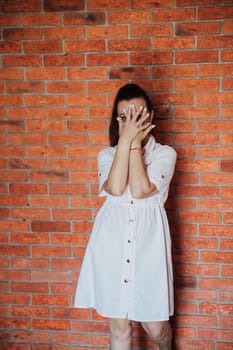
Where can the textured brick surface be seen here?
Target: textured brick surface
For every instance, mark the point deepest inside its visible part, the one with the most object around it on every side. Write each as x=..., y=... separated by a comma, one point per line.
x=61, y=63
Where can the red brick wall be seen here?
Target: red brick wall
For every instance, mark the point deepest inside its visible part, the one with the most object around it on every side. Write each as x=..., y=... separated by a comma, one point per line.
x=62, y=61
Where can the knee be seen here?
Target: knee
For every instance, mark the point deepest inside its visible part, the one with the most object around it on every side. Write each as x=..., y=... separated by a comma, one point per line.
x=158, y=332
x=120, y=329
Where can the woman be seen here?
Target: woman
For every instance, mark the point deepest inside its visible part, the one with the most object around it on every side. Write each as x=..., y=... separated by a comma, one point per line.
x=127, y=273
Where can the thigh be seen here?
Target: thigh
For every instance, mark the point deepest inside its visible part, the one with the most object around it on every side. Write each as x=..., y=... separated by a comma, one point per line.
x=121, y=324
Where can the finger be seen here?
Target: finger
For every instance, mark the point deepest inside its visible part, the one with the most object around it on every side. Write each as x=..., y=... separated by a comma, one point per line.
x=148, y=129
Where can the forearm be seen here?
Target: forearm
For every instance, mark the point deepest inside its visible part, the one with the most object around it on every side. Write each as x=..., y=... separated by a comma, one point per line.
x=139, y=182
x=118, y=175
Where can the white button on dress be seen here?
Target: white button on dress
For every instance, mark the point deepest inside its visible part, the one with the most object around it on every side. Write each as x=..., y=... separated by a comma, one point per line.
x=127, y=268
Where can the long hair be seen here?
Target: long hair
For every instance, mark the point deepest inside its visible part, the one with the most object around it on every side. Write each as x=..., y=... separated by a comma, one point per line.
x=125, y=93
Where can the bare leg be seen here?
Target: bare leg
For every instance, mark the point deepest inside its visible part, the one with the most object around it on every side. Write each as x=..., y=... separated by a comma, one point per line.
x=160, y=333
x=120, y=334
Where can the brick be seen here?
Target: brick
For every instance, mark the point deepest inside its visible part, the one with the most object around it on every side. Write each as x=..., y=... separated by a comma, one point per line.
x=204, y=13
x=18, y=6
x=201, y=217
x=200, y=321
x=87, y=73
x=227, y=271
x=182, y=256
x=49, y=175
x=197, y=243
x=74, y=164
x=60, y=5
x=227, y=192
x=197, y=85
x=218, y=231
x=196, y=112
x=197, y=270
x=216, y=283
x=128, y=17
x=226, y=165
x=50, y=202
x=45, y=74
x=9, y=20
x=197, y=28
x=108, y=86
x=128, y=45
x=10, y=47
x=72, y=214
x=21, y=299
x=59, y=325
x=69, y=338
x=228, y=27
x=173, y=72
x=225, y=322
x=215, y=70
x=15, y=100
x=68, y=189
x=173, y=43
x=198, y=139
x=213, y=126
x=158, y=30
x=37, y=263
x=226, y=244
x=10, y=201
x=214, y=42
x=43, y=100
x=182, y=57
x=66, y=113
x=82, y=101
x=63, y=33
x=216, y=334
x=228, y=219
x=148, y=3
x=22, y=34
x=58, y=277
x=15, y=323
x=29, y=213
x=129, y=73
x=227, y=84
x=111, y=5
x=65, y=88
x=197, y=2
x=10, y=346
x=41, y=19
x=217, y=257
x=107, y=59
x=173, y=15
x=215, y=152
x=86, y=18
x=11, y=74
x=13, y=176
x=107, y=32
x=84, y=46
x=28, y=287
x=37, y=47
x=196, y=295
x=226, y=139
x=227, y=55
x=224, y=346
x=24, y=87
x=50, y=300
x=64, y=60
x=21, y=61
x=26, y=113
x=50, y=226
x=30, y=336
x=214, y=98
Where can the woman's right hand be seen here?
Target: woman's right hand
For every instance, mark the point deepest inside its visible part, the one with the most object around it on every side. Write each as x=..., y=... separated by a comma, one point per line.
x=133, y=124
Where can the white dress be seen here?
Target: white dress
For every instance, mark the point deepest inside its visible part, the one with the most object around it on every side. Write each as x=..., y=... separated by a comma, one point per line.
x=127, y=268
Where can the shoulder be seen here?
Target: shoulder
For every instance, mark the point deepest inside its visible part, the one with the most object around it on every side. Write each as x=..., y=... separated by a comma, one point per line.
x=165, y=151
x=106, y=153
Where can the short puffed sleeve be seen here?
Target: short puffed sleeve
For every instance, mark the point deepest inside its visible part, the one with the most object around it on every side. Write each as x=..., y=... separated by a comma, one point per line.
x=161, y=167
x=105, y=159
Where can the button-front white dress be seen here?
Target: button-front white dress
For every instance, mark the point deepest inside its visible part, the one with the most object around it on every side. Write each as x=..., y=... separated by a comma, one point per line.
x=127, y=268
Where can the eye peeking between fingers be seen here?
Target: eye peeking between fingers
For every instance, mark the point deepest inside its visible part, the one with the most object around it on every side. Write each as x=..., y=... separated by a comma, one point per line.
x=122, y=118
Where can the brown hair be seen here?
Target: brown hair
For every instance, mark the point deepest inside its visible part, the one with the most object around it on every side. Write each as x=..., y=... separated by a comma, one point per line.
x=125, y=93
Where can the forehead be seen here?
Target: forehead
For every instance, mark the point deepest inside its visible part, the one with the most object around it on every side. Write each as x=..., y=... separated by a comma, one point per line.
x=125, y=104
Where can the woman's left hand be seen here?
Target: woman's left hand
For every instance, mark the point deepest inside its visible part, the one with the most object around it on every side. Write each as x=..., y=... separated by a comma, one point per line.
x=147, y=124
